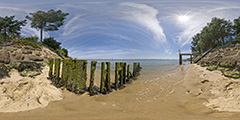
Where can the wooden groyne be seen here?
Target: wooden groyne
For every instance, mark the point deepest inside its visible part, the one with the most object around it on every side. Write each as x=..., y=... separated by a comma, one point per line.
x=72, y=75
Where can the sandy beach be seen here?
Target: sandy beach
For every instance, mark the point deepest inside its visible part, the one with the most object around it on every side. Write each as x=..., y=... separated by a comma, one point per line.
x=176, y=94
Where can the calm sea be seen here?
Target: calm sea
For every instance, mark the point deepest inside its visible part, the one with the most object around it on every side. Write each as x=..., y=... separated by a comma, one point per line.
x=147, y=64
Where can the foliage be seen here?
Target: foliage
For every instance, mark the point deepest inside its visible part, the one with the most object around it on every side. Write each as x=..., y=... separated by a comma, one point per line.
x=236, y=25
x=47, y=21
x=54, y=45
x=216, y=33
x=9, y=28
x=32, y=38
x=50, y=42
x=27, y=43
x=63, y=51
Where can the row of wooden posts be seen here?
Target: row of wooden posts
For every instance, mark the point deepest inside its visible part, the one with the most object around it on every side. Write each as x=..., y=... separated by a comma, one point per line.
x=74, y=75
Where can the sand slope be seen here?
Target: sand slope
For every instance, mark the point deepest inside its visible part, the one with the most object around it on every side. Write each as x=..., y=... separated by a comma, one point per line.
x=19, y=94
x=219, y=92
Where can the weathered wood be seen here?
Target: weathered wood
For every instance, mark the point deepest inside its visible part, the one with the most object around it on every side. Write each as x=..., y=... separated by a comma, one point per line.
x=74, y=82
x=50, y=73
x=93, y=68
x=56, y=71
x=180, y=59
x=82, y=78
x=121, y=73
x=116, y=75
x=124, y=73
x=69, y=85
x=191, y=59
x=108, y=79
x=65, y=72
x=134, y=69
x=103, y=80
x=139, y=67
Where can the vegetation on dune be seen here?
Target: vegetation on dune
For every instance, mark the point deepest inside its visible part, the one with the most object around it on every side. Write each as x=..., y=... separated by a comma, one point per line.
x=44, y=21
x=217, y=33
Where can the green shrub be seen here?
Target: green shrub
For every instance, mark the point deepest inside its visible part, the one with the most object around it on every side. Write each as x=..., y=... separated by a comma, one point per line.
x=50, y=42
x=32, y=38
x=27, y=43
x=63, y=51
x=212, y=68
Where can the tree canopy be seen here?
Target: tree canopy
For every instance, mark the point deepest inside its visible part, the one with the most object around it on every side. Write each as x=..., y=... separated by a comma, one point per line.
x=217, y=33
x=47, y=21
x=10, y=28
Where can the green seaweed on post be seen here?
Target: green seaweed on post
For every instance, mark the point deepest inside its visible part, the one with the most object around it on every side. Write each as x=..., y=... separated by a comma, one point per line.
x=50, y=68
x=103, y=80
x=116, y=75
x=124, y=73
x=57, y=70
x=93, y=69
x=108, y=70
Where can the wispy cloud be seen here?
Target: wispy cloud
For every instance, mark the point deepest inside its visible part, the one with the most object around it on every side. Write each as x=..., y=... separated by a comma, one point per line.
x=199, y=17
x=147, y=17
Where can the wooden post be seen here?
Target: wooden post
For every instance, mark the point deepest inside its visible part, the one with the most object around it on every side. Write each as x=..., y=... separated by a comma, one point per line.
x=57, y=70
x=93, y=68
x=180, y=59
x=139, y=67
x=82, y=76
x=50, y=68
x=103, y=75
x=75, y=74
x=134, y=69
x=108, y=79
x=121, y=73
x=69, y=81
x=191, y=59
x=116, y=75
x=65, y=72
x=124, y=73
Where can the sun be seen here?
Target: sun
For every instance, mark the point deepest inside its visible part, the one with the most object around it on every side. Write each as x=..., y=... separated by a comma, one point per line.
x=183, y=18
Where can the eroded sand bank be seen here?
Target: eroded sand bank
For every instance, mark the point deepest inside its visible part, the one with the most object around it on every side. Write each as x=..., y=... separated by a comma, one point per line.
x=21, y=93
x=219, y=92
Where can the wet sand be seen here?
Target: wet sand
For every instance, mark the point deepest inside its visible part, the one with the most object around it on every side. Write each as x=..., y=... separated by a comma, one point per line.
x=155, y=95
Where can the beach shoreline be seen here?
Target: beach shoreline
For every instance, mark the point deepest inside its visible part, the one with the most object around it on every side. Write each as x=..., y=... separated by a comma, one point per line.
x=169, y=96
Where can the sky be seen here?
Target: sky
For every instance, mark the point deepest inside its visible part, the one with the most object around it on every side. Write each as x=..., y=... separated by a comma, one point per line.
x=125, y=29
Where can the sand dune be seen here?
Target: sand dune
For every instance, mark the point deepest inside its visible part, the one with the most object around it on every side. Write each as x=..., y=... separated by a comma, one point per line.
x=20, y=93
x=219, y=92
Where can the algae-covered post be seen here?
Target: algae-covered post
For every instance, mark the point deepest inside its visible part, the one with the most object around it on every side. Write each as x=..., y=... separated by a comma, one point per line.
x=69, y=74
x=57, y=70
x=65, y=71
x=50, y=68
x=121, y=73
x=103, y=75
x=134, y=70
x=139, y=67
x=93, y=68
x=124, y=73
x=128, y=74
x=116, y=75
x=108, y=87
x=82, y=78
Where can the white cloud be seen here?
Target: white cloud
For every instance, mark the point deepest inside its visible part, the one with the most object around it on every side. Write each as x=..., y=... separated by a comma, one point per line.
x=146, y=16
